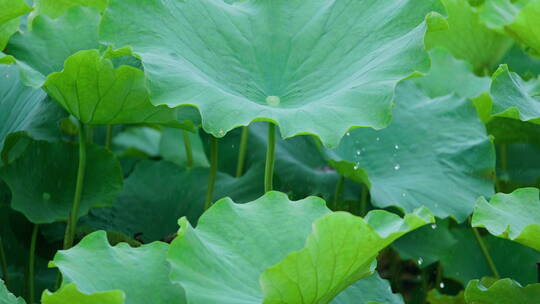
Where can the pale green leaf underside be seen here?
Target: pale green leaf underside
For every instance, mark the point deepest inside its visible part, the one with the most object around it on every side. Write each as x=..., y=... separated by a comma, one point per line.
x=91, y=89
x=466, y=36
x=514, y=216
x=423, y=155
x=275, y=60
x=141, y=273
x=7, y=297
x=519, y=19
x=42, y=180
x=235, y=247
x=69, y=294
x=514, y=98
x=505, y=291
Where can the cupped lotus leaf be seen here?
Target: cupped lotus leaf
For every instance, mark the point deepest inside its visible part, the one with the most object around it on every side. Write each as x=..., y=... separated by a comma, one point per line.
x=466, y=36
x=313, y=275
x=69, y=294
x=433, y=146
x=51, y=41
x=519, y=19
x=505, y=291
x=7, y=297
x=309, y=66
x=55, y=8
x=512, y=97
x=25, y=109
x=161, y=192
x=514, y=216
x=51, y=169
x=235, y=246
x=91, y=89
x=464, y=261
x=141, y=273
x=10, y=12
x=370, y=290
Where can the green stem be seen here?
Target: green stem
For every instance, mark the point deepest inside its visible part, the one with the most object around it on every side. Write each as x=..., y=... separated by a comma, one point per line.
x=242, y=151
x=339, y=191
x=73, y=216
x=270, y=158
x=363, y=200
x=108, y=138
x=189, y=151
x=31, y=266
x=3, y=261
x=503, y=156
x=213, y=172
x=485, y=252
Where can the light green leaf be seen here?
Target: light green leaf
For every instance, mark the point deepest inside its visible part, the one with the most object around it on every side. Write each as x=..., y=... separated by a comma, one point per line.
x=370, y=290
x=160, y=192
x=518, y=19
x=69, y=294
x=55, y=8
x=432, y=147
x=142, y=138
x=92, y=90
x=514, y=98
x=141, y=273
x=51, y=41
x=466, y=36
x=235, y=246
x=252, y=60
x=51, y=170
x=10, y=12
x=172, y=148
x=514, y=216
x=8, y=298
x=25, y=109
x=505, y=291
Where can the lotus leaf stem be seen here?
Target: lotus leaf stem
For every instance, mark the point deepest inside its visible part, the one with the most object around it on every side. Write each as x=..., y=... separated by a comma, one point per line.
x=270, y=158
x=485, y=252
x=189, y=151
x=213, y=172
x=31, y=266
x=242, y=151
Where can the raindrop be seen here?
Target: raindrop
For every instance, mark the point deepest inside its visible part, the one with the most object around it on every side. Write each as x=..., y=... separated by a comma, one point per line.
x=403, y=194
x=433, y=226
x=356, y=166
x=396, y=147
x=441, y=285
x=358, y=152
x=377, y=139
x=46, y=196
x=420, y=261
x=273, y=100
x=396, y=167
x=348, y=134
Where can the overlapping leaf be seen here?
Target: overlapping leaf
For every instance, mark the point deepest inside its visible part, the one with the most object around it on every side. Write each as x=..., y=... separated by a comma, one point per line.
x=69, y=294
x=51, y=170
x=55, y=8
x=141, y=273
x=514, y=216
x=10, y=12
x=505, y=291
x=244, y=61
x=236, y=246
x=8, y=298
x=433, y=146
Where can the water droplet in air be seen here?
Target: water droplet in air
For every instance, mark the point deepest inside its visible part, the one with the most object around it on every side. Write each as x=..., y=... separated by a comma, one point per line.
x=273, y=100
x=441, y=285
x=433, y=226
x=420, y=261
x=403, y=194
x=46, y=196
x=396, y=147
x=377, y=139
x=348, y=133
x=358, y=152
x=396, y=167
x=356, y=166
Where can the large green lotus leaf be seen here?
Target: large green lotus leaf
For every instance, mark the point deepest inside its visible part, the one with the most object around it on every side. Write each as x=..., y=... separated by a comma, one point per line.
x=8, y=298
x=514, y=216
x=521, y=63
x=172, y=148
x=55, y=8
x=427, y=244
x=310, y=66
x=432, y=147
x=69, y=294
x=464, y=261
x=51, y=169
x=370, y=290
x=161, y=192
x=514, y=98
x=505, y=291
x=52, y=41
x=466, y=36
x=91, y=89
x=236, y=246
x=141, y=273
x=25, y=109
x=519, y=19
x=10, y=12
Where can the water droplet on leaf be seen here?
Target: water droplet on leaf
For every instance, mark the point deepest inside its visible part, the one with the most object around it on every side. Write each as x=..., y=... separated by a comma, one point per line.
x=396, y=167
x=420, y=261
x=273, y=100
